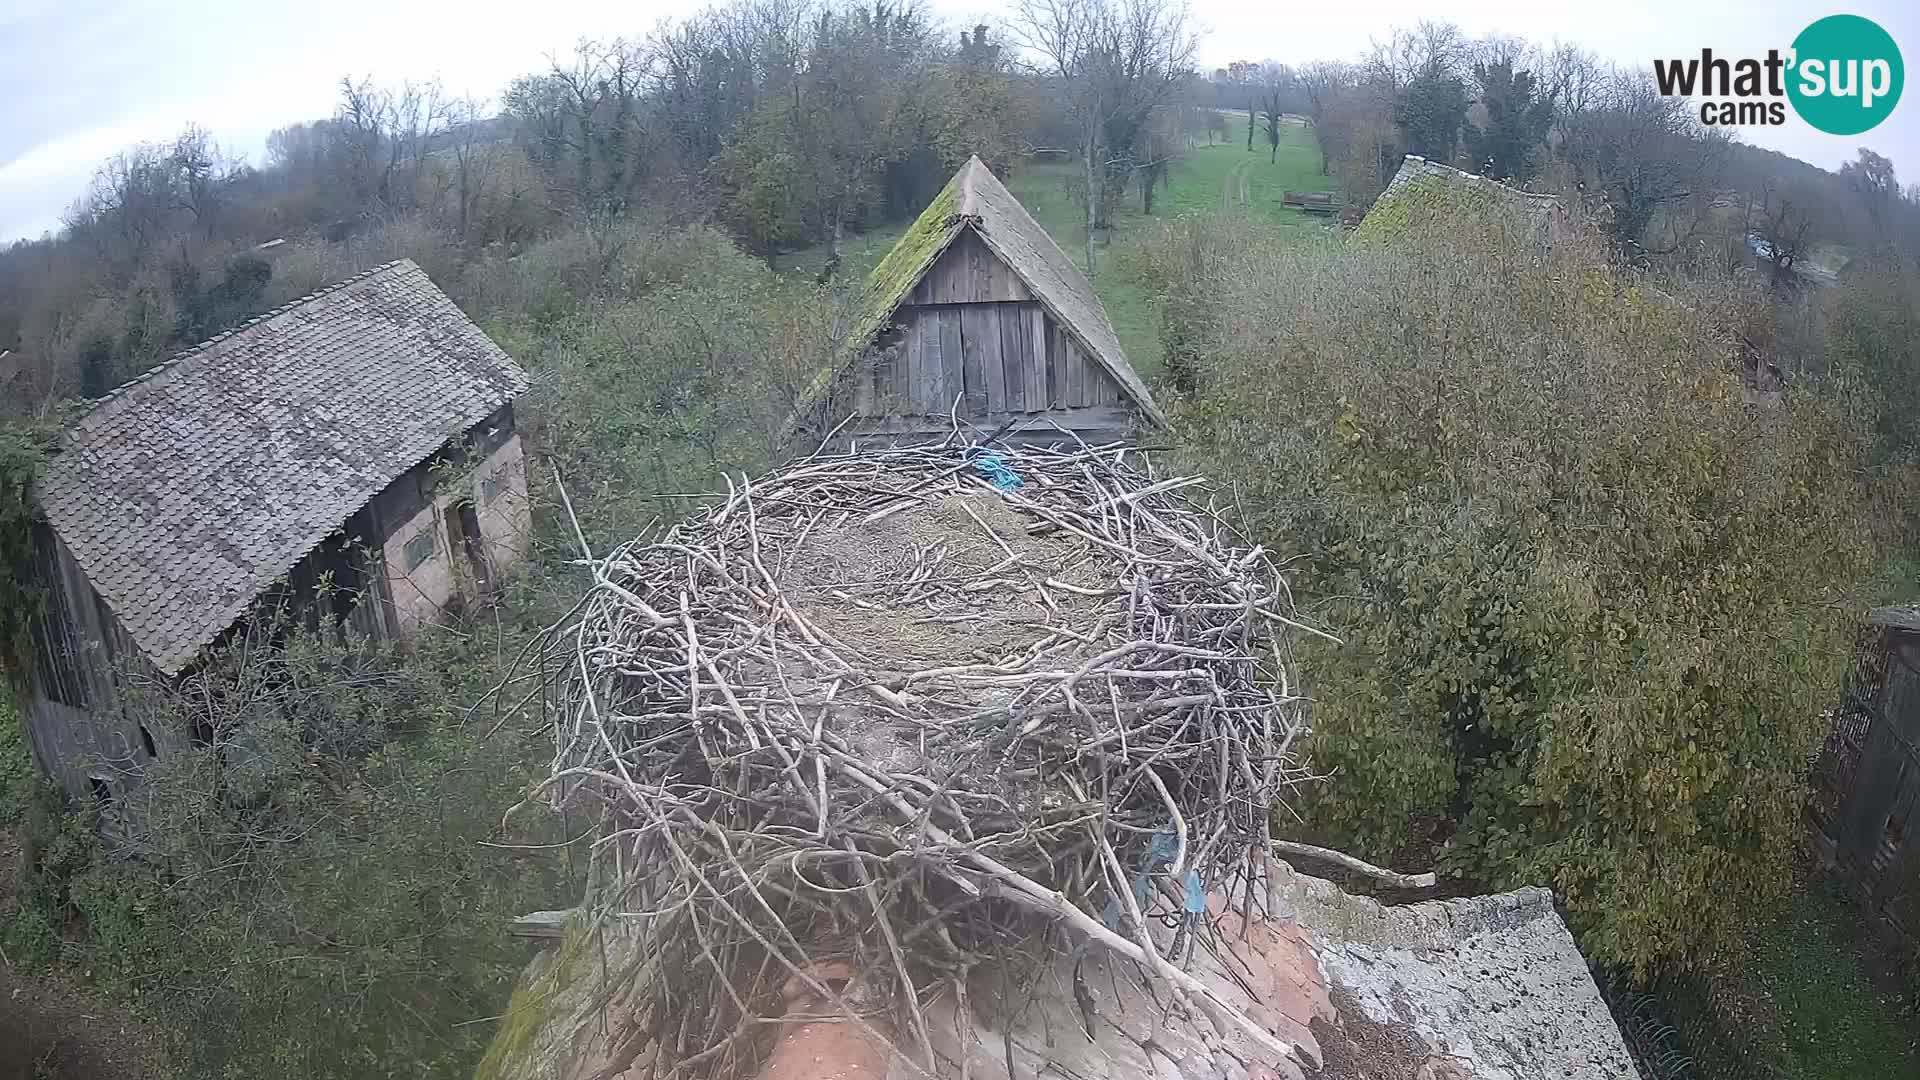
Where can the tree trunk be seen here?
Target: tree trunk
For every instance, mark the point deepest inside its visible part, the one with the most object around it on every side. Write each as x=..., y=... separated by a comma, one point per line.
x=1093, y=196
x=1249, y=129
x=835, y=234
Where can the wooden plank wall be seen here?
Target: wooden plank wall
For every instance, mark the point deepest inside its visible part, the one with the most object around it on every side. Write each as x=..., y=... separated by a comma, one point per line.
x=968, y=273
x=74, y=720
x=999, y=358
x=972, y=332
x=1877, y=827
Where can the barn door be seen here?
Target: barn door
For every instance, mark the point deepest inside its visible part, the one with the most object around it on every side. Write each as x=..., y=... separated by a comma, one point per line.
x=1003, y=358
x=464, y=523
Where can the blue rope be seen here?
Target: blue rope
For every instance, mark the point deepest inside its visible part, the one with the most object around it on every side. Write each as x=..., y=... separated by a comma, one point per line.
x=995, y=470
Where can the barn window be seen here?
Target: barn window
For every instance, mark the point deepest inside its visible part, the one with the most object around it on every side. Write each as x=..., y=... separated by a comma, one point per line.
x=419, y=549
x=490, y=487
x=102, y=790
x=146, y=742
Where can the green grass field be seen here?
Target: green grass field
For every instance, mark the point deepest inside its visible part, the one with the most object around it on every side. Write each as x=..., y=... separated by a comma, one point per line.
x=1224, y=177
x=1819, y=1014
x=1228, y=177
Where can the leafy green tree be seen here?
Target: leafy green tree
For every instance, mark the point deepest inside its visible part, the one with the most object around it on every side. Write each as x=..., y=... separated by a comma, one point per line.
x=1874, y=333
x=970, y=105
x=765, y=171
x=1510, y=144
x=1431, y=110
x=1591, y=605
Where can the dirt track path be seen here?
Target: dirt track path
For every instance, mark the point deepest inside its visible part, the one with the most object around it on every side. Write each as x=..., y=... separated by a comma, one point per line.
x=49, y=1030
x=1233, y=188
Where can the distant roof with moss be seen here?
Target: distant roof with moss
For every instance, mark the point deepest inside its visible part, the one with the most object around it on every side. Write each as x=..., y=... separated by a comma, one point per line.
x=976, y=199
x=1423, y=189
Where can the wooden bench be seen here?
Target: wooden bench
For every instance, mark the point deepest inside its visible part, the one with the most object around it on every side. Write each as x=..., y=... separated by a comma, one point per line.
x=1313, y=202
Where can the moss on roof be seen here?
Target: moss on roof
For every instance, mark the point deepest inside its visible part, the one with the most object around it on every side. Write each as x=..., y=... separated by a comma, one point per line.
x=916, y=249
x=1403, y=207
x=895, y=276
x=1424, y=192
x=976, y=199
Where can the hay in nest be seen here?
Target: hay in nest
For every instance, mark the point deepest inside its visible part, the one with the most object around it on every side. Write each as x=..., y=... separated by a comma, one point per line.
x=872, y=715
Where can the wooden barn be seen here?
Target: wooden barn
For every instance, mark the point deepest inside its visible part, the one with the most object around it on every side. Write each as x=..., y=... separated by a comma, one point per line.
x=1865, y=808
x=349, y=459
x=977, y=316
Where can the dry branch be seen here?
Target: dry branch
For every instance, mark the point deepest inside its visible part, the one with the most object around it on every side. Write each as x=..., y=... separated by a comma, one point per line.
x=869, y=713
x=1295, y=849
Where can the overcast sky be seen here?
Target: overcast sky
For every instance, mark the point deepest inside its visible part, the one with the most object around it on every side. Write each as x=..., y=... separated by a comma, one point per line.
x=84, y=78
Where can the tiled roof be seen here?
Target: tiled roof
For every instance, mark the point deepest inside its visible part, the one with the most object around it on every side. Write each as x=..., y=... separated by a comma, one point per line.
x=1487, y=988
x=185, y=493
x=976, y=199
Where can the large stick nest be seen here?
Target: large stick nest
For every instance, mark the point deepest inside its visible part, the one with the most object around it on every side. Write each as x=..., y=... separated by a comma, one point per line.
x=870, y=723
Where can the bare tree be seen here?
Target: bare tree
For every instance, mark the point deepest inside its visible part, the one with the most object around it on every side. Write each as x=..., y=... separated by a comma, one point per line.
x=1784, y=230
x=385, y=134
x=1575, y=80
x=1648, y=160
x=1872, y=179
x=1117, y=63
x=1271, y=120
x=201, y=173
x=586, y=123
x=474, y=160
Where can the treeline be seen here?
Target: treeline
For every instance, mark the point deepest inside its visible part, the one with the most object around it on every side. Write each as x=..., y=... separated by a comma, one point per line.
x=789, y=123
x=1662, y=186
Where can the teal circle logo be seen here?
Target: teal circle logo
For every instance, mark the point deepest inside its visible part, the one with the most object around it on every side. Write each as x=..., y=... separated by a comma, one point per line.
x=1846, y=74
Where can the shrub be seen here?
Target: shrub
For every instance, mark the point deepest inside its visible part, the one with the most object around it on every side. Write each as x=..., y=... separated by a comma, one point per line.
x=309, y=892
x=1592, y=604
x=697, y=370
x=1875, y=332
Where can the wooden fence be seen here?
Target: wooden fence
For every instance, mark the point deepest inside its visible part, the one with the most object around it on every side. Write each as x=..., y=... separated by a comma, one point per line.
x=1679, y=1027
x=1865, y=805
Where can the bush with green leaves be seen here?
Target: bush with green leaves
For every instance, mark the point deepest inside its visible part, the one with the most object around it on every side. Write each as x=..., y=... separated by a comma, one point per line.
x=22, y=448
x=696, y=369
x=1874, y=333
x=1592, y=604
x=310, y=892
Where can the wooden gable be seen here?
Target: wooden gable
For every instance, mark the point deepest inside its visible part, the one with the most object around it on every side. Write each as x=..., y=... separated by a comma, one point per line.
x=968, y=272
x=971, y=329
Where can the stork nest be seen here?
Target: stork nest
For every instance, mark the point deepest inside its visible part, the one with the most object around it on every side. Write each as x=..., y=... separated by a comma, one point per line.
x=871, y=722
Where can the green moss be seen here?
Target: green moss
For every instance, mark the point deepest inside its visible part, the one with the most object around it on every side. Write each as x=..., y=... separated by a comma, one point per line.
x=1430, y=202
x=916, y=250
x=533, y=1006
x=1427, y=199
x=896, y=274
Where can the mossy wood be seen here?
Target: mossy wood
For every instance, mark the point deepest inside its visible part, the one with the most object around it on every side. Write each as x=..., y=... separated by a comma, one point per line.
x=976, y=314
